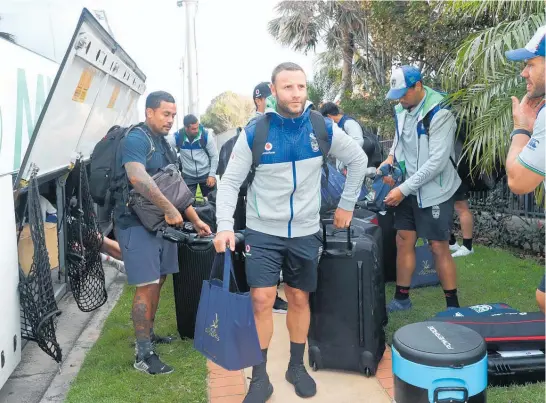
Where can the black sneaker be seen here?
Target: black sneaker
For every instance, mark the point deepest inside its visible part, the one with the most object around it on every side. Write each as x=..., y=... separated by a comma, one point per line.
x=259, y=391
x=155, y=339
x=305, y=385
x=280, y=305
x=151, y=364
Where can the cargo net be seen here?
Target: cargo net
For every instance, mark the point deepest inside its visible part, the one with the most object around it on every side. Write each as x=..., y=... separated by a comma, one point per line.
x=37, y=300
x=84, y=240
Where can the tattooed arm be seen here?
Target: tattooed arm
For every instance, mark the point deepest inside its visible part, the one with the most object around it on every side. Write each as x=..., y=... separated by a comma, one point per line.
x=145, y=185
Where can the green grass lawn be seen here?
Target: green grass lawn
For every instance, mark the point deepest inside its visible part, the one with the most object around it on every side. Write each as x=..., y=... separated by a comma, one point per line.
x=108, y=376
x=488, y=276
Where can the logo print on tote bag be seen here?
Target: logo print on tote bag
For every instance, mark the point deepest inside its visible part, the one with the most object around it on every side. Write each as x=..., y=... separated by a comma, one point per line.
x=212, y=331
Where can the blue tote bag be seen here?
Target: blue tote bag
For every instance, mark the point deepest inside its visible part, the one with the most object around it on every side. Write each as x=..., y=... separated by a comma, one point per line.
x=425, y=270
x=225, y=331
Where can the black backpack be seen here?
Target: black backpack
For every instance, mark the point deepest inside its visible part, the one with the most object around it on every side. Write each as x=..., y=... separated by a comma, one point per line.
x=105, y=178
x=371, y=145
x=477, y=181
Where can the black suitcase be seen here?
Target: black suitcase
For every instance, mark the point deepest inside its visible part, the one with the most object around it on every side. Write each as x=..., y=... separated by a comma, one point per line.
x=195, y=259
x=347, y=309
x=385, y=220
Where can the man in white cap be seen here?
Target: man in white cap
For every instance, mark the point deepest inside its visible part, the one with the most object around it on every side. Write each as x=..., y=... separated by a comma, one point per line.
x=525, y=164
x=424, y=149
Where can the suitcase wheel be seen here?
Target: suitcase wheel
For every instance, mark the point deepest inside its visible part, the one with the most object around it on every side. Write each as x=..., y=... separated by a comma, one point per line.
x=315, y=359
x=367, y=367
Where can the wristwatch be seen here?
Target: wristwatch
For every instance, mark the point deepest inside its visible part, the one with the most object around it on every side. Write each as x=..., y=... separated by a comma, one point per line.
x=520, y=131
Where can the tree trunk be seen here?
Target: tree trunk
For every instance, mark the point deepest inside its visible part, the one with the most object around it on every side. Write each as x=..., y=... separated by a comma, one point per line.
x=348, y=48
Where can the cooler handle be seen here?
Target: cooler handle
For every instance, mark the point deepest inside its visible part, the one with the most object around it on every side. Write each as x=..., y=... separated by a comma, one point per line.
x=450, y=399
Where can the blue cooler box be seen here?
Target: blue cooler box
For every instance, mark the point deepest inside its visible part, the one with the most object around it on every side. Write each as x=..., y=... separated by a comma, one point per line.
x=438, y=363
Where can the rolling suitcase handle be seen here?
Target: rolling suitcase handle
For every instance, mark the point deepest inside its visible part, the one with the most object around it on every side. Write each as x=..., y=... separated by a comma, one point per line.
x=330, y=221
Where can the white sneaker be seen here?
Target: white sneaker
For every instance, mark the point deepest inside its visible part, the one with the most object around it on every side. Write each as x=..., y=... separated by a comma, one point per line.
x=117, y=264
x=463, y=251
x=455, y=247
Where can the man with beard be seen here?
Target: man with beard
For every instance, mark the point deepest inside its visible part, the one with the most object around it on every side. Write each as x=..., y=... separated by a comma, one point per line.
x=424, y=201
x=283, y=203
x=525, y=163
x=148, y=258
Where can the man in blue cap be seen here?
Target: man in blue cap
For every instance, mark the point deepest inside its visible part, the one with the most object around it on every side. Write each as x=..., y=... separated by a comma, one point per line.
x=423, y=147
x=525, y=163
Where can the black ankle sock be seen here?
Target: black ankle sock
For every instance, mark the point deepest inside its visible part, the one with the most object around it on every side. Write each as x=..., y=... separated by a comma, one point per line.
x=259, y=371
x=143, y=348
x=452, y=240
x=451, y=298
x=296, y=353
x=467, y=243
x=401, y=293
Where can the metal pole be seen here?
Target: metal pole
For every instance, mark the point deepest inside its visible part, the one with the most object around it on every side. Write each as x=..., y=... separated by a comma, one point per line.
x=190, y=56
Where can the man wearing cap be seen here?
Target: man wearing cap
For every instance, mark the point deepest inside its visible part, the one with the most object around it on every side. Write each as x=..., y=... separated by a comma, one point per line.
x=525, y=163
x=423, y=147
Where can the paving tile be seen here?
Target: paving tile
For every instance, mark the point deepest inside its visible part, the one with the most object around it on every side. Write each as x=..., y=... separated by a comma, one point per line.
x=214, y=367
x=228, y=399
x=383, y=373
x=227, y=390
x=387, y=383
x=385, y=363
x=222, y=374
x=227, y=381
x=390, y=392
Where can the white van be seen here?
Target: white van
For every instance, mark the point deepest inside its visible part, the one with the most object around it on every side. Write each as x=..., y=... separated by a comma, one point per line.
x=49, y=116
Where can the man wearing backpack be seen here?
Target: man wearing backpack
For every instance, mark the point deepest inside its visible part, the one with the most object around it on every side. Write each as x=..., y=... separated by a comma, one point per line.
x=198, y=155
x=346, y=123
x=260, y=94
x=526, y=160
x=284, y=151
x=424, y=149
x=148, y=258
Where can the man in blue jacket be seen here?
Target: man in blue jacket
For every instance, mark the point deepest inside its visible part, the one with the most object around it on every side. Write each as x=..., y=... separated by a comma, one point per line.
x=424, y=149
x=283, y=204
x=198, y=155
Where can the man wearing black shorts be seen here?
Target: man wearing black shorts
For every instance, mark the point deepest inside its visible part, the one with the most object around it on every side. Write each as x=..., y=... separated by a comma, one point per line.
x=423, y=146
x=467, y=222
x=282, y=217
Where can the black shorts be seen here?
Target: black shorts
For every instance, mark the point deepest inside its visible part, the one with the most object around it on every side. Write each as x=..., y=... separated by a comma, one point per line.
x=433, y=223
x=267, y=255
x=463, y=193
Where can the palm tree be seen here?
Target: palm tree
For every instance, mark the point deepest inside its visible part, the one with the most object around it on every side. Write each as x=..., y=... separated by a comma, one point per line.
x=304, y=24
x=481, y=80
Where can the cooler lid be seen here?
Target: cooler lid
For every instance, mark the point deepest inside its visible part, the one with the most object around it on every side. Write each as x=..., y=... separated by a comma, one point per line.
x=439, y=344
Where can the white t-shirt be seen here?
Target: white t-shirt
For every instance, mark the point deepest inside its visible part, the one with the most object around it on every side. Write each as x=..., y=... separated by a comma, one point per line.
x=533, y=155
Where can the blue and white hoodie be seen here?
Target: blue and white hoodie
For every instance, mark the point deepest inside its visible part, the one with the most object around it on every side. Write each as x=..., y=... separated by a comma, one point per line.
x=284, y=197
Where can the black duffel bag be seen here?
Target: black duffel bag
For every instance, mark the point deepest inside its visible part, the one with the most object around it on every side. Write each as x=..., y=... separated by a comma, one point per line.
x=170, y=183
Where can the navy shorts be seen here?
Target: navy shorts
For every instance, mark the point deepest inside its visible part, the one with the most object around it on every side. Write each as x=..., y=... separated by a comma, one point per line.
x=146, y=256
x=463, y=193
x=432, y=223
x=267, y=255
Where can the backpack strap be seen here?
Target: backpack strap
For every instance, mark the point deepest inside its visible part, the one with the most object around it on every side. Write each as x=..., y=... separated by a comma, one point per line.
x=141, y=127
x=203, y=140
x=321, y=133
x=258, y=145
x=426, y=125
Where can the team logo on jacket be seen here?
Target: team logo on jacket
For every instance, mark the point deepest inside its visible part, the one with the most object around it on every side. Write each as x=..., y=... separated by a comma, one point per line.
x=435, y=212
x=314, y=142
